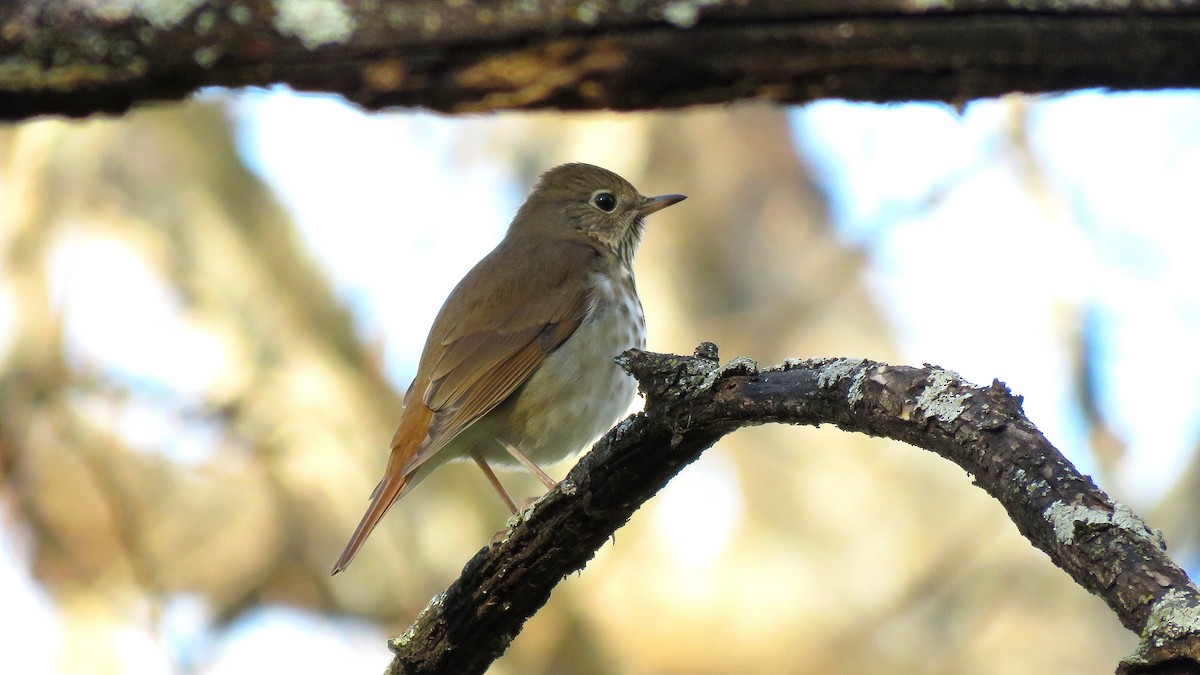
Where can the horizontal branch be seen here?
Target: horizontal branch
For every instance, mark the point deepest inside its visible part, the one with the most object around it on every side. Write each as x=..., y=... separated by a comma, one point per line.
x=77, y=57
x=692, y=401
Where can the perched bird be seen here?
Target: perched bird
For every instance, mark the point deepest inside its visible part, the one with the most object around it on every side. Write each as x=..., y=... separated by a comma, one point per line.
x=518, y=367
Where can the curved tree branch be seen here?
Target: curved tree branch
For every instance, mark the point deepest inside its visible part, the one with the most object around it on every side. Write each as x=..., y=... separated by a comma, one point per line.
x=692, y=401
x=77, y=57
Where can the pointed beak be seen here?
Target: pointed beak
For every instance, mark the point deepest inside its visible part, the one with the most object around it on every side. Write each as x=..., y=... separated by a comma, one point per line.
x=659, y=203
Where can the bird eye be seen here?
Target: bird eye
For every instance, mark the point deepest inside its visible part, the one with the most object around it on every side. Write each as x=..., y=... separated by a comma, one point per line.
x=605, y=201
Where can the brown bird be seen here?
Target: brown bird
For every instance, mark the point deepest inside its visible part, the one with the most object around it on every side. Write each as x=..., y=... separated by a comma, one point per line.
x=518, y=366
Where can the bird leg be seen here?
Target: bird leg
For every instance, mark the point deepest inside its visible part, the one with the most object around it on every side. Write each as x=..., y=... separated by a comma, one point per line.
x=491, y=476
x=528, y=464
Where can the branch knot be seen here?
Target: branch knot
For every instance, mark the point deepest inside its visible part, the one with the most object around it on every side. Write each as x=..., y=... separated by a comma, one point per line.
x=671, y=382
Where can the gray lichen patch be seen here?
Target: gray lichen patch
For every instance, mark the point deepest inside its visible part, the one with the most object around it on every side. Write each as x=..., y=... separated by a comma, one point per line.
x=939, y=400
x=855, y=393
x=685, y=13
x=682, y=14
x=791, y=363
x=740, y=365
x=1124, y=518
x=833, y=371
x=700, y=375
x=1033, y=484
x=1175, y=615
x=241, y=14
x=1065, y=517
x=314, y=22
x=206, y=57
x=588, y=12
x=926, y=5
x=398, y=643
x=161, y=14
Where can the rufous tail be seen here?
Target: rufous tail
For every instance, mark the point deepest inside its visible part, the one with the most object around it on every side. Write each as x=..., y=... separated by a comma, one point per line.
x=413, y=430
x=386, y=494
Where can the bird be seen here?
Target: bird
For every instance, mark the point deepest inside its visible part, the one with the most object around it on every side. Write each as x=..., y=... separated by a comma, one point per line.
x=518, y=368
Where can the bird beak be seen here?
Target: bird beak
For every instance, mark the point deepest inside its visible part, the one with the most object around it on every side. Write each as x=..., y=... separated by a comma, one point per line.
x=659, y=203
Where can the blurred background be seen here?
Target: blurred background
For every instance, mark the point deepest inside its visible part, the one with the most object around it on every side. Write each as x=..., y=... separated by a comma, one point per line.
x=209, y=312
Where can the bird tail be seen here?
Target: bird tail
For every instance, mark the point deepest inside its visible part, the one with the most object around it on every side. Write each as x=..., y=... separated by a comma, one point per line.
x=397, y=477
x=385, y=494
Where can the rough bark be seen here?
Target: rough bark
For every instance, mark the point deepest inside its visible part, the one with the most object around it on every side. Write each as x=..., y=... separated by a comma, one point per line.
x=78, y=57
x=693, y=401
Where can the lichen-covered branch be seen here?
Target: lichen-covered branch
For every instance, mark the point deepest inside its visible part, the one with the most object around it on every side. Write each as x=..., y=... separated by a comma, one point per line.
x=78, y=57
x=693, y=401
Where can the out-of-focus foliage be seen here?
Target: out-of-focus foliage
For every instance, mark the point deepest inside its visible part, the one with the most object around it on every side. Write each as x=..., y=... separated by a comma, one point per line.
x=784, y=550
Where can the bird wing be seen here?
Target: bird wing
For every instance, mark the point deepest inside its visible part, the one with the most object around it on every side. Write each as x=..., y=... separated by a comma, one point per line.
x=510, y=318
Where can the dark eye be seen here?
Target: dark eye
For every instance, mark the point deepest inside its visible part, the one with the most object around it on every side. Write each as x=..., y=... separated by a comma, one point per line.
x=605, y=201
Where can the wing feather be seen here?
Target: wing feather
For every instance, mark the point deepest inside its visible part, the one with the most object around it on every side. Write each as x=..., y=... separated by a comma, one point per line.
x=471, y=366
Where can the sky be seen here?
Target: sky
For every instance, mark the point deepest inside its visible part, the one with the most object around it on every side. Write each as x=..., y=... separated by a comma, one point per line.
x=1113, y=228
x=967, y=261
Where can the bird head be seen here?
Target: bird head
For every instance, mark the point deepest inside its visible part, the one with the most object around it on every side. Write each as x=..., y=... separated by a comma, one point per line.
x=582, y=199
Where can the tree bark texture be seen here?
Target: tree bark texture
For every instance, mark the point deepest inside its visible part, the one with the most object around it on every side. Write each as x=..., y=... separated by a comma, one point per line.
x=693, y=401
x=77, y=57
